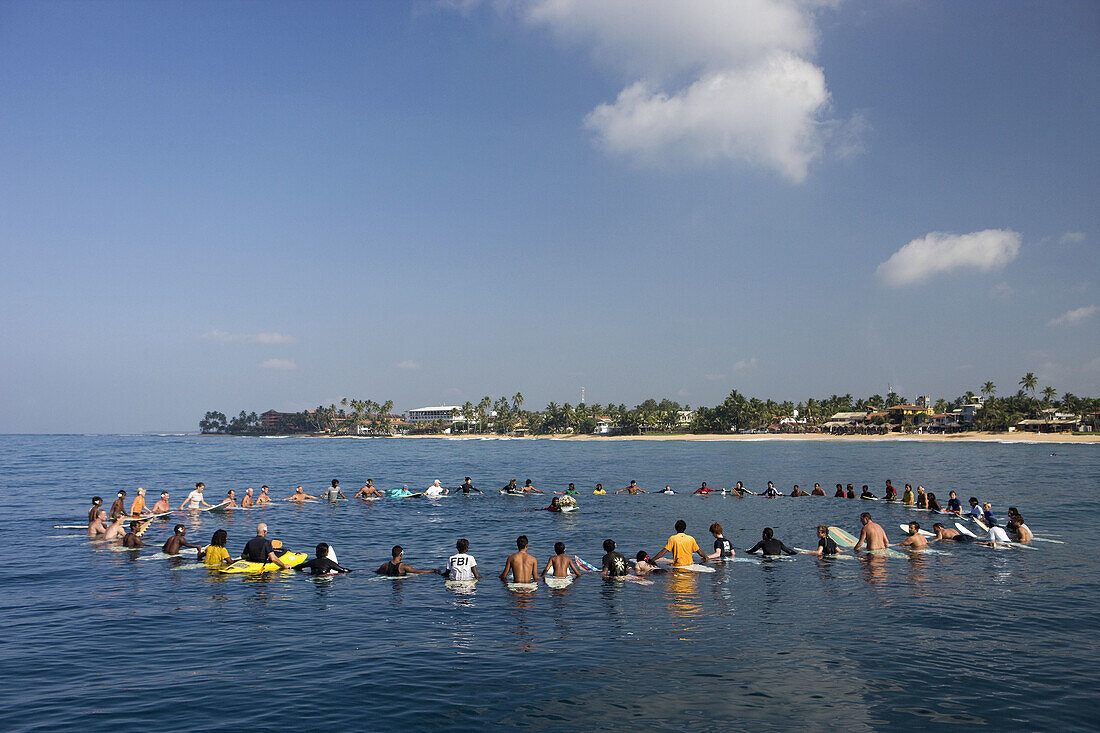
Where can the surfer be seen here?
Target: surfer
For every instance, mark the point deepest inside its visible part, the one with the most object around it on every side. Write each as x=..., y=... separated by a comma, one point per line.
x=332, y=493
x=162, y=506
x=632, y=489
x=850, y=492
x=467, y=487
x=369, y=490
x=178, y=539
x=299, y=496
x=511, y=488
x=949, y=533
x=231, y=497
x=907, y=496
x=953, y=504
x=975, y=510
x=397, y=568
x=118, y=508
x=987, y=513
x=131, y=539
x=818, y=491
x=137, y=508
x=771, y=491
x=798, y=492
x=723, y=548
x=866, y=493
x=195, y=498
x=322, y=564
x=529, y=489
x=215, y=555
x=97, y=503
x=260, y=549
x=644, y=565
x=561, y=503
x=666, y=490
x=599, y=490
x=1019, y=530
x=922, y=498
x=872, y=534
x=246, y=502
x=561, y=563
x=839, y=492
x=996, y=534
x=915, y=540
x=435, y=490
x=704, y=489
x=571, y=491
x=403, y=491
x=523, y=565
x=264, y=497
x=891, y=492
x=99, y=529
x=933, y=504
x=739, y=489
x=769, y=546
x=462, y=566
x=613, y=564
x=825, y=543
x=681, y=546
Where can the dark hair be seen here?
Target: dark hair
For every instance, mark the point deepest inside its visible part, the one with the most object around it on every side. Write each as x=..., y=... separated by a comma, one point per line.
x=609, y=545
x=865, y=487
x=177, y=528
x=931, y=496
x=915, y=524
x=97, y=499
x=121, y=492
x=322, y=549
x=839, y=486
x=972, y=499
x=134, y=524
x=397, y=550
x=938, y=525
x=768, y=533
x=822, y=528
x=219, y=538
x=527, y=482
x=335, y=482
x=716, y=528
x=599, y=486
x=521, y=541
x=681, y=525
x=865, y=515
x=641, y=555
x=559, y=547
x=467, y=478
x=200, y=483
x=462, y=545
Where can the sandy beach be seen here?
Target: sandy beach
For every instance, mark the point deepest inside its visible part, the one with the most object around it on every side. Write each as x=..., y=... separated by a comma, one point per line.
x=979, y=437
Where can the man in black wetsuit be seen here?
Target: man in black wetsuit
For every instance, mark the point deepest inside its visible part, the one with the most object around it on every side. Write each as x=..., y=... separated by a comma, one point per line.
x=260, y=549
x=467, y=487
x=614, y=564
x=322, y=564
x=397, y=568
x=771, y=546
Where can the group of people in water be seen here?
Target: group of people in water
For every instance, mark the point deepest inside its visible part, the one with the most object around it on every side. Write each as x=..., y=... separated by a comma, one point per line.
x=522, y=566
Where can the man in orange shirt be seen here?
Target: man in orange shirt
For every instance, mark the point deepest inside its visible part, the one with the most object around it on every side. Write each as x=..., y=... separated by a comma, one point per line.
x=681, y=546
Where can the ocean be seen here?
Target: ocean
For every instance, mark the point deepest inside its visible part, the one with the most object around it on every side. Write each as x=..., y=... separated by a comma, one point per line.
x=98, y=638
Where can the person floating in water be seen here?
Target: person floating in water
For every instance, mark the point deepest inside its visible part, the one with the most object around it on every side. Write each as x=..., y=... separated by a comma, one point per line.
x=644, y=564
x=891, y=492
x=839, y=492
x=369, y=490
x=872, y=535
x=818, y=491
x=462, y=566
x=131, y=538
x=681, y=546
x=397, y=567
x=613, y=564
x=704, y=489
x=195, y=500
x=825, y=545
x=599, y=490
x=332, y=493
x=100, y=530
x=907, y=496
x=571, y=491
x=529, y=489
x=511, y=488
x=560, y=563
x=264, y=497
x=632, y=489
x=798, y=492
x=771, y=491
x=178, y=539
x=322, y=564
x=915, y=540
x=667, y=490
x=435, y=490
x=215, y=555
x=299, y=496
x=922, y=498
x=769, y=546
x=933, y=504
x=467, y=487
x=523, y=566
x=247, y=502
x=723, y=548
x=866, y=494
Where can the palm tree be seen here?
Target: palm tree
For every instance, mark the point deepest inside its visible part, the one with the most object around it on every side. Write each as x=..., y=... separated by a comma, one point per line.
x=1029, y=382
x=517, y=401
x=1049, y=393
x=989, y=389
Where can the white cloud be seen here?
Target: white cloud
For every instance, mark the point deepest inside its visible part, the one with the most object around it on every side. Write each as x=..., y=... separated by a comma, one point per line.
x=1075, y=316
x=1072, y=238
x=409, y=365
x=250, y=338
x=284, y=365
x=939, y=252
x=745, y=365
x=710, y=80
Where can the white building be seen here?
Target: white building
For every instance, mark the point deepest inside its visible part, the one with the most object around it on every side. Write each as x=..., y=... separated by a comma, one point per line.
x=447, y=413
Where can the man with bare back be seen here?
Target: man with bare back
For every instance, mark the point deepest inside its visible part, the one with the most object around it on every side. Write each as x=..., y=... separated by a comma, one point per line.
x=523, y=566
x=871, y=534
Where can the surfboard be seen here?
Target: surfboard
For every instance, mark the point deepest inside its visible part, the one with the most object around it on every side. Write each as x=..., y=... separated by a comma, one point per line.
x=553, y=582
x=522, y=587
x=219, y=508
x=567, y=509
x=887, y=552
x=143, y=517
x=869, y=498
x=293, y=559
x=332, y=555
x=963, y=529
x=924, y=532
x=841, y=537
x=585, y=565
x=694, y=568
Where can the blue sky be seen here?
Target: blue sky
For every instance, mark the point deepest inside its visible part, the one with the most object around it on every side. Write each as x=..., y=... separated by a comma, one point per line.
x=244, y=206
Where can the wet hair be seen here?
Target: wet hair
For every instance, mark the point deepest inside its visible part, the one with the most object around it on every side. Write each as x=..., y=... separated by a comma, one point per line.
x=219, y=539
x=335, y=482
x=97, y=499
x=322, y=549
x=952, y=493
x=527, y=482
x=179, y=529
x=572, y=486
x=396, y=551
x=865, y=515
x=632, y=482
x=1013, y=511
x=973, y=500
x=822, y=528
x=716, y=528
x=866, y=487
x=938, y=525
x=200, y=485
x=609, y=545
x=839, y=486
x=915, y=524
x=681, y=525
x=521, y=541
x=849, y=486
x=931, y=496
x=641, y=556
x=462, y=545
x=122, y=492
x=559, y=547
x=134, y=525
x=599, y=486
x=768, y=533
x=164, y=493
x=467, y=478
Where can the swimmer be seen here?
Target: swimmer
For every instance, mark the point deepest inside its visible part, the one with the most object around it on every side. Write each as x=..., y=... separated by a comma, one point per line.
x=511, y=488
x=739, y=489
x=116, y=529
x=529, y=489
x=891, y=492
x=435, y=490
x=264, y=497
x=571, y=491
x=332, y=493
x=613, y=564
x=178, y=539
x=996, y=535
x=599, y=490
x=987, y=513
x=462, y=566
x=321, y=564
x=403, y=491
x=681, y=546
x=97, y=504
x=561, y=563
x=769, y=546
x=850, y=493
x=818, y=491
x=231, y=497
x=975, y=510
x=723, y=548
x=246, y=502
x=948, y=534
x=666, y=490
x=163, y=505
x=137, y=508
x=131, y=539
x=915, y=540
x=866, y=493
x=825, y=544
x=907, y=496
x=922, y=498
x=704, y=489
x=798, y=492
x=397, y=568
x=873, y=535
x=953, y=504
x=933, y=504
x=299, y=496
x=467, y=487
x=839, y=492
x=1019, y=531
x=260, y=549
x=215, y=555
x=369, y=490
x=771, y=491
x=523, y=566
x=560, y=503
x=644, y=565
x=632, y=489
x=195, y=498
x=118, y=508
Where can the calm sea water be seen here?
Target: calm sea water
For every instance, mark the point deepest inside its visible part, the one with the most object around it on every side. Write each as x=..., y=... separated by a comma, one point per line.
x=101, y=639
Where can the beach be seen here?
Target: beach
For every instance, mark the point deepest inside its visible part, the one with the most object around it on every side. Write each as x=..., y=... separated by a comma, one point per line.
x=979, y=437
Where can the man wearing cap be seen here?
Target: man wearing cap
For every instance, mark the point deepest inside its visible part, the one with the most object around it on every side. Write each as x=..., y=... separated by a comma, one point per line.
x=260, y=549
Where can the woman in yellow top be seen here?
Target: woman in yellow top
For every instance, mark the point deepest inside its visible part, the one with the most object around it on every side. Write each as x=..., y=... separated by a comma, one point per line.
x=907, y=497
x=598, y=490
x=215, y=555
x=138, y=507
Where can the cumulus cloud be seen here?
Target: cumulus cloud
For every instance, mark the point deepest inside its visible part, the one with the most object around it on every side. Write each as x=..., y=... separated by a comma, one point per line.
x=939, y=252
x=710, y=80
x=408, y=365
x=1075, y=316
x=1072, y=238
x=249, y=338
x=284, y=365
x=744, y=365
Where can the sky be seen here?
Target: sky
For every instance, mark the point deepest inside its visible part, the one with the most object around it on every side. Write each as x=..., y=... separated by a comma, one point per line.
x=243, y=206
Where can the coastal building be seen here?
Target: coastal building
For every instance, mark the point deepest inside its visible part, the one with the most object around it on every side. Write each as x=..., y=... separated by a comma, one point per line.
x=605, y=426
x=273, y=420
x=845, y=420
x=899, y=412
x=449, y=414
